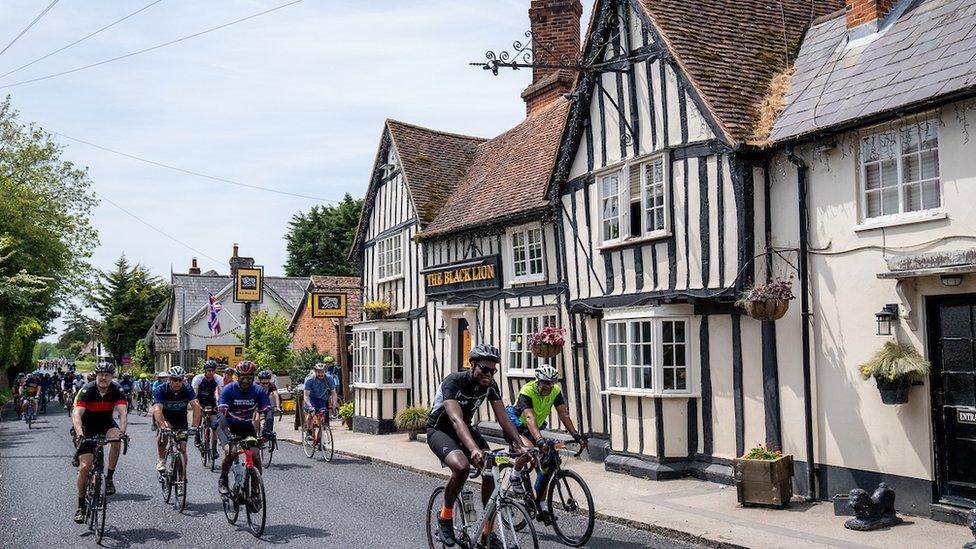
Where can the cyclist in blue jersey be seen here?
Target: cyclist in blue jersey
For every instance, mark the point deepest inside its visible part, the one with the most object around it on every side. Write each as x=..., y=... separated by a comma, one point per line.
x=207, y=387
x=127, y=385
x=170, y=402
x=239, y=406
x=319, y=394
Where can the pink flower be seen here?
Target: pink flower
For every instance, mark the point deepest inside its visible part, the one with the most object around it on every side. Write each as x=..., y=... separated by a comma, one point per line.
x=549, y=335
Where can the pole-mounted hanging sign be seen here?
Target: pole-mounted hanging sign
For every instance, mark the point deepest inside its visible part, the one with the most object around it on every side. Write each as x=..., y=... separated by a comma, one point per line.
x=328, y=304
x=249, y=285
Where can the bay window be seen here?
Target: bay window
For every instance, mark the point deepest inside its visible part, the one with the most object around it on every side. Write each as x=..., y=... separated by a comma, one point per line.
x=379, y=356
x=648, y=355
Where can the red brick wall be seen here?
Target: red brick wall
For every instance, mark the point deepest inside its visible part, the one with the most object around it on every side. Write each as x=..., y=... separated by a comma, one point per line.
x=555, y=31
x=320, y=331
x=865, y=11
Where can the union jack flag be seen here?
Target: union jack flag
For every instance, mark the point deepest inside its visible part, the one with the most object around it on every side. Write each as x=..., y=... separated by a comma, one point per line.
x=213, y=322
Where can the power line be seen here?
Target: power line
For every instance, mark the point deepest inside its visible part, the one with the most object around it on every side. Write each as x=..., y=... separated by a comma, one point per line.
x=156, y=47
x=191, y=172
x=59, y=50
x=23, y=32
x=155, y=228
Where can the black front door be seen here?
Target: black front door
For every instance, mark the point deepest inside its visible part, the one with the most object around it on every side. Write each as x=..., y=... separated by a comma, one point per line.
x=952, y=332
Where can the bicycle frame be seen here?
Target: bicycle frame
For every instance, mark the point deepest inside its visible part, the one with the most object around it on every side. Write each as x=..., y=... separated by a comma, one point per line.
x=487, y=518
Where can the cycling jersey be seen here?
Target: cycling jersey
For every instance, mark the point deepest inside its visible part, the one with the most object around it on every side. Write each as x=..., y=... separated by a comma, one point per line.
x=469, y=394
x=98, y=407
x=319, y=390
x=126, y=386
x=238, y=405
x=31, y=387
x=206, y=389
x=541, y=405
x=174, y=403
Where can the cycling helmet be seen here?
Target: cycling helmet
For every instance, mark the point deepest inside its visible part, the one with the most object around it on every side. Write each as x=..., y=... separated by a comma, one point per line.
x=264, y=374
x=177, y=371
x=127, y=375
x=210, y=365
x=547, y=373
x=320, y=366
x=247, y=368
x=105, y=368
x=485, y=352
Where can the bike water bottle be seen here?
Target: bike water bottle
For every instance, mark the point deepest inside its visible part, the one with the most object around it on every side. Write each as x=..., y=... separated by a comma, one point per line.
x=467, y=501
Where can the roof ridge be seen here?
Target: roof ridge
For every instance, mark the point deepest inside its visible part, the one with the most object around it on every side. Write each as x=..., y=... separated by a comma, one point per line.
x=532, y=117
x=441, y=132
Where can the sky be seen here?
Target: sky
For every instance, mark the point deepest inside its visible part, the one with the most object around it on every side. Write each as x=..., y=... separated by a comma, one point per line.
x=292, y=100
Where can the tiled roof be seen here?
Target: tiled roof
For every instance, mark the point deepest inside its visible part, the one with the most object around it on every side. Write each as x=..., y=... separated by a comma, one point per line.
x=928, y=51
x=731, y=49
x=433, y=163
x=193, y=291
x=318, y=282
x=508, y=174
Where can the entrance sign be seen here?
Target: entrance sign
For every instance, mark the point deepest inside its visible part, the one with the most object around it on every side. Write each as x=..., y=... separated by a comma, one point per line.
x=477, y=274
x=328, y=304
x=966, y=416
x=249, y=285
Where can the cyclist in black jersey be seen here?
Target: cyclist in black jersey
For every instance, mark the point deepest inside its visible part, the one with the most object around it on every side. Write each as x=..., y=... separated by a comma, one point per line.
x=450, y=434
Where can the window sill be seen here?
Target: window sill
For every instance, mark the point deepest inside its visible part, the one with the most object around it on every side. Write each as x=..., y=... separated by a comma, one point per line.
x=526, y=281
x=520, y=373
x=363, y=385
x=901, y=220
x=647, y=394
x=633, y=242
x=390, y=279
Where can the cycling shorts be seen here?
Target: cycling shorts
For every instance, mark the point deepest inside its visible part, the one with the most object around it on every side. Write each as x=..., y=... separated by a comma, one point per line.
x=240, y=429
x=93, y=429
x=207, y=401
x=442, y=443
x=177, y=421
x=311, y=406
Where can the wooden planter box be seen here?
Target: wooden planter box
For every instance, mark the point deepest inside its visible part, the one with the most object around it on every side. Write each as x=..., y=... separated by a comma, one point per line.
x=765, y=483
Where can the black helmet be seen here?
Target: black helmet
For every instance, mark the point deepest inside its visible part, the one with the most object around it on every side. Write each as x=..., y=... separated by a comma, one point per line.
x=210, y=365
x=485, y=352
x=105, y=368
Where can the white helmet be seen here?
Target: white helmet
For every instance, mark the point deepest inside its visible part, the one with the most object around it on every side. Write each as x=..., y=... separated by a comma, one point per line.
x=546, y=373
x=177, y=371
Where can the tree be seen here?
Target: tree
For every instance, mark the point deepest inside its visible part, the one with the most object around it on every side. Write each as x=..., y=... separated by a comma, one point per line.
x=127, y=298
x=270, y=342
x=141, y=361
x=78, y=328
x=45, y=211
x=319, y=241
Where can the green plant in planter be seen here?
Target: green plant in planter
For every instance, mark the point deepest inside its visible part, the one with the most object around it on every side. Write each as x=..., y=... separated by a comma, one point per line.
x=895, y=368
x=760, y=452
x=345, y=413
x=413, y=420
x=377, y=308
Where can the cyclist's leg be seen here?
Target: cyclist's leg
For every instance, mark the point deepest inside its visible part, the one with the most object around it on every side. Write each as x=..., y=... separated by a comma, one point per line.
x=224, y=435
x=115, y=447
x=446, y=447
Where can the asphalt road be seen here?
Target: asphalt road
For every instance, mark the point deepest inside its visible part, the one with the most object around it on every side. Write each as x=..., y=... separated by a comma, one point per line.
x=346, y=503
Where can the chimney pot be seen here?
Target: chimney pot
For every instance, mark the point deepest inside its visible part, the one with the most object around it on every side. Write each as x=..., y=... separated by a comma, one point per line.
x=235, y=249
x=194, y=269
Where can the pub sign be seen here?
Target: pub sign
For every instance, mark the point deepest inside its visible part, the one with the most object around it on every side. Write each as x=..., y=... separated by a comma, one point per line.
x=465, y=276
x=328, y=304
x=249, y=285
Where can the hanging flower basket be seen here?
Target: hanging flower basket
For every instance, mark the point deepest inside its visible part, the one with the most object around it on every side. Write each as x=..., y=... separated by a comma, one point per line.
x=895, y=368
x=767, y=309
x=768, y=301
x=547, y=342
x=894, y=392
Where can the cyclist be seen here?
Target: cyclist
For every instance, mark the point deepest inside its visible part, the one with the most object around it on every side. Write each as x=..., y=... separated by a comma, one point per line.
x=452, y=438
x=145, y=391
x=319, y=395
x=127, y=386
x=207, y=386
x=264, y=379
x=16, y=391
x=161, y=378
x=30, y=390
x=227, y=378
x=170, y=402
x=238, y=406
x=534, y=404
x=67, y=386
x=94, y=407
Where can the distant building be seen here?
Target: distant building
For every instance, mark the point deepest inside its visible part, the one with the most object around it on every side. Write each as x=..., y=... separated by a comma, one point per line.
x=324, y=332
x=179, y=335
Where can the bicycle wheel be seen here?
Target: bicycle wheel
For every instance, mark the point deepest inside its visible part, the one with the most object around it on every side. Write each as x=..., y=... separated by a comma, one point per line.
x=433, y=511
x=102, y=509
x=231, y=508
x=267, y=451
x=510, y=514
x=166, y=479
x=254, y=505
x=571, y=506
x=308, y=444
x=213, y=450
x=504, y=472
x=91, y=502
x=326, y=443
x=179, y=482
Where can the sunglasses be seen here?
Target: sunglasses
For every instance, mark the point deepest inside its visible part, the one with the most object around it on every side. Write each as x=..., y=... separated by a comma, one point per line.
x=247, y=379
x=488, y=371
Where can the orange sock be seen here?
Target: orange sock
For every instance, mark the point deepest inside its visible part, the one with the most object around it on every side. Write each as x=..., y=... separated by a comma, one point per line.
x=447, y=513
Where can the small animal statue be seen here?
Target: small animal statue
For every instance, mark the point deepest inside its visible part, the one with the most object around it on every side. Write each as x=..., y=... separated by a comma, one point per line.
x=972, y=528
x=873, y=512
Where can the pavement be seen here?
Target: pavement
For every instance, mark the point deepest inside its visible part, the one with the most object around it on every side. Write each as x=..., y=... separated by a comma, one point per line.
x=693, y=510
x=347, y=503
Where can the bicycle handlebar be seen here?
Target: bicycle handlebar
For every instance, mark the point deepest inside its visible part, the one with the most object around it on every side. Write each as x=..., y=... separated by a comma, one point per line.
x=101, y=440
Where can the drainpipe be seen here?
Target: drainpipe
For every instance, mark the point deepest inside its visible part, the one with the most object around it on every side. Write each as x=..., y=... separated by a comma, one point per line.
x=801, y=183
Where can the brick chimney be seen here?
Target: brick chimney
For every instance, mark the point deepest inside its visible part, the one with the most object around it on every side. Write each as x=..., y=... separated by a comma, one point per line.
x=555, y=32
x=237, y=262
x=862, y=12
x=194, y=269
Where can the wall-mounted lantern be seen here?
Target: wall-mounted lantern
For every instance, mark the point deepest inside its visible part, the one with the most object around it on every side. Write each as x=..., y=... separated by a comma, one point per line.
x=887, y=315
x=441, y=331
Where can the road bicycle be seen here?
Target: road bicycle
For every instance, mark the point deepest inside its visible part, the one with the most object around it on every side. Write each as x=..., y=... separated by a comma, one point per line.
x=269, y=443
x=334, y=413
x=247, y=489
x=30, y=415
x=319, y=438
x=208, y=439
x=96, y=499
x=502, y=515
x=571, y=512
x=172, y=479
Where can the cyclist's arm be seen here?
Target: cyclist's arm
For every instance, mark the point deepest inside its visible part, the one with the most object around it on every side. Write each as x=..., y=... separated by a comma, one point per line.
x=157, y=410
x=563, y=411
x=122, y=408
x=531, y=425
x=508, y=428
x=197, y=412
x=454, y=413
x=79, y=409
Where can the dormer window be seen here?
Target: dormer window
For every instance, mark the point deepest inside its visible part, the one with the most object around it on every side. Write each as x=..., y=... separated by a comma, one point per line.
x=900, y=171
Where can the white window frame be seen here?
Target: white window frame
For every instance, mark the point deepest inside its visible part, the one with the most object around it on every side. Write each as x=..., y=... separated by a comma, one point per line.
x=385, y=263
x=900, y=185
x=657, y=367
x=520, y=361
x=368, y=364
x=523, y=231
x=624, y=198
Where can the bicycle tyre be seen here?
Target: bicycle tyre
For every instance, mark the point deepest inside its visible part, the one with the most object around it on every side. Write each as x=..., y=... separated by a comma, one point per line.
x=308, y=444
x=557, y=484
x=213, y=450
x=179, y=466
x=502, y=468
x=433, y=510
x=103, y=509
x=231, y=508
x=267, y=452
x=166, y=482
x=326, y=442
x=256, y=517
x=515, y=514
x=91, y=502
